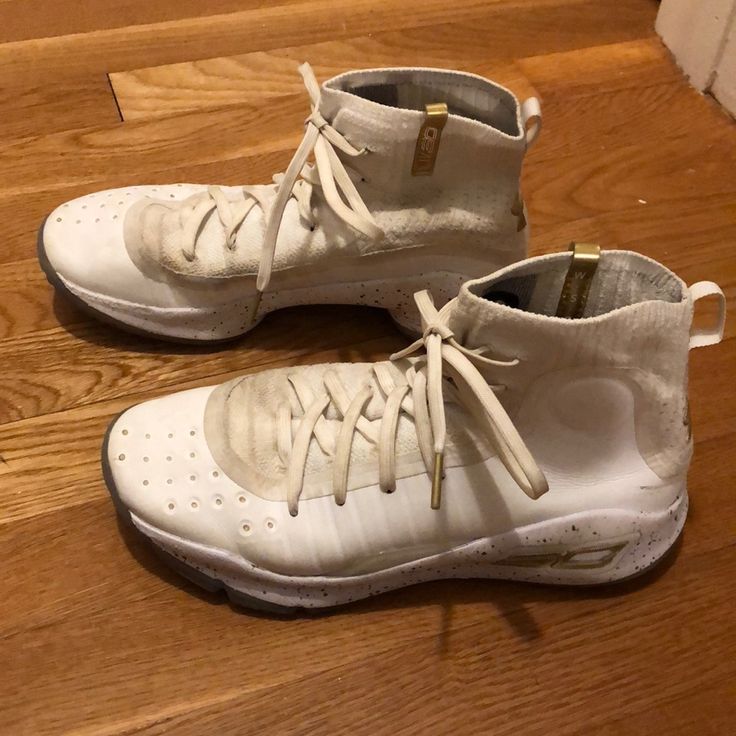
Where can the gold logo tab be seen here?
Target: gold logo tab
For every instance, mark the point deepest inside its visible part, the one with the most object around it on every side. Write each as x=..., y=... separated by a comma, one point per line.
x=428, y=140
x=579, y=276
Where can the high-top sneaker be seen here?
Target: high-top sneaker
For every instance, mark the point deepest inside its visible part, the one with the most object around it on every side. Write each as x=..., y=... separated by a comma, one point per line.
x=538, y=431
x=414, y=184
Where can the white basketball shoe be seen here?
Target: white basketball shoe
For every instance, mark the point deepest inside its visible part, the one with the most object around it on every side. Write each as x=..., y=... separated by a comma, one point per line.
x=415, y=184
x=538, y=431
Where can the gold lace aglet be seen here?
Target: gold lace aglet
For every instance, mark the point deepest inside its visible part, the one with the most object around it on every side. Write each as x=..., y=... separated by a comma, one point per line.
x=256, y=305
x=439, y=460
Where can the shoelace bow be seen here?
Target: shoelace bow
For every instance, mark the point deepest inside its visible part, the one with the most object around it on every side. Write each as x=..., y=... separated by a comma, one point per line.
x=328, y=172
x=422, y=398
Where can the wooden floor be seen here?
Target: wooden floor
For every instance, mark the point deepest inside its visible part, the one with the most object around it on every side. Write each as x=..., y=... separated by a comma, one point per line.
x=95, y=636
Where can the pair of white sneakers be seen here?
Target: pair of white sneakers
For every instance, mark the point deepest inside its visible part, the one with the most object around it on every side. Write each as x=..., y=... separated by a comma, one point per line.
x=537, y=430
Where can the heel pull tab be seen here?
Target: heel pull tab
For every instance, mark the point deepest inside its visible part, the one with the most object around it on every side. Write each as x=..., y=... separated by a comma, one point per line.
x=713, y=335
x=575, y=290
x=531, y=119
x=428, y=140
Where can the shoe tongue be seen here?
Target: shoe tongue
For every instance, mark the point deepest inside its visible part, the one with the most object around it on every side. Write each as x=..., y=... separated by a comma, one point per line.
x=537, y=293
x=533, y=286
x=383, y=94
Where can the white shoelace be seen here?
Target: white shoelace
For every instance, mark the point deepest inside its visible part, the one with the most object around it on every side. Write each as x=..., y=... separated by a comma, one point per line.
x=328, y=172
x=422, y=398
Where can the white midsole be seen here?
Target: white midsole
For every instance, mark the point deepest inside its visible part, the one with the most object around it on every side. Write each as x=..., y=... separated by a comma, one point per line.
x=585, y=548
x=233, y=318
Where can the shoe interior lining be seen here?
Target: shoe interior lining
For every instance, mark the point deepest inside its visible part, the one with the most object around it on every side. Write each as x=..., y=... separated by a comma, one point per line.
x=615, y=284
x=476, y=100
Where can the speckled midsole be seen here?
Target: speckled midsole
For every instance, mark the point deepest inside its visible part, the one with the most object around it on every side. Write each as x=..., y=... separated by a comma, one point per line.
x=585, y=548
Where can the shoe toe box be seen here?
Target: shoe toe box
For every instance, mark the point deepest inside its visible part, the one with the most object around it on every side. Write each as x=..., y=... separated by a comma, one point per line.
x=159, y=469
x=82, y=243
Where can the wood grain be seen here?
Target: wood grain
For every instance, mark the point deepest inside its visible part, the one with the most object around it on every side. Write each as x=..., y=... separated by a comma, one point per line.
x=22, y=19
x=279, y=25
x=29, y=110
x=513, y=30
x=96, y=637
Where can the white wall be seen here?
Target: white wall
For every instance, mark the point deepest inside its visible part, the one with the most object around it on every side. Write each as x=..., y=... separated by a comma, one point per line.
x=724, y=84
x=702, y=36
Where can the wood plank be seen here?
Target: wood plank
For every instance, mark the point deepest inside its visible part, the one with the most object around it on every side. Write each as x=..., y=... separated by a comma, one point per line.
x=202, y=147
x=629, y=116
x=692, y=244
x=25, y=19
x=55, y=370
x=33, y=109
x=27, y=209
x=400, y=686
x=280, y=26
x=28, y=304
x=710, y=711
x=601, y=68
x=257, y=77
x=640, y=84
x=90, y=154
x=403, y=683
x=579, y=184
x=630, y=69
x=531, y=629
x=257, y=80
